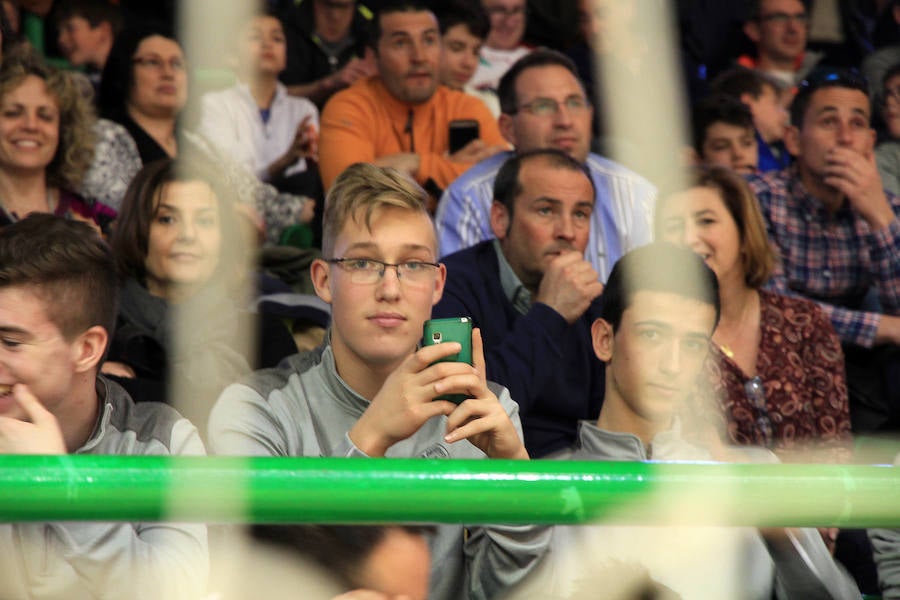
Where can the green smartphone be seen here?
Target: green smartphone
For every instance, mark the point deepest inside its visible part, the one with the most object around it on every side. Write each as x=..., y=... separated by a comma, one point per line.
x=456, y=329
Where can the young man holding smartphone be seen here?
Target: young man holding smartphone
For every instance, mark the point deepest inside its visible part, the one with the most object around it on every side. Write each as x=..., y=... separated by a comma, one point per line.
x=369, y=392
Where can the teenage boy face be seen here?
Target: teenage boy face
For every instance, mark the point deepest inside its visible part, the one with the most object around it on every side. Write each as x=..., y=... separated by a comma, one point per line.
x=379, y=324
x=34, y=352
x=460, y=56
x=656, y=355
x=263, y=46
x=731, y=146
x=80, y=42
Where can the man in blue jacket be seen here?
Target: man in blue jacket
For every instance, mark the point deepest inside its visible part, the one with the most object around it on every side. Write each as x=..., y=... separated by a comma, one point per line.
x=532, y=293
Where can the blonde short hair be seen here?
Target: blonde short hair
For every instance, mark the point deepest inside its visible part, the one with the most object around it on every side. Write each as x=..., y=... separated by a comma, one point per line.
x=365, y=186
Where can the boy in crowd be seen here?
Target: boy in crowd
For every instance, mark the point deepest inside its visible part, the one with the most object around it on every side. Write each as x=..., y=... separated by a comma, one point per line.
x=659, y=309
x=369, y=392
x=58, y=296
x=463, y=30
x=87, y=30
x=257, y=123
x=723, y=135
x=763, y=97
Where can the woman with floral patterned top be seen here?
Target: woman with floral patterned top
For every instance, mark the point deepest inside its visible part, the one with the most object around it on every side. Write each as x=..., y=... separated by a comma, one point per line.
x=777, y=367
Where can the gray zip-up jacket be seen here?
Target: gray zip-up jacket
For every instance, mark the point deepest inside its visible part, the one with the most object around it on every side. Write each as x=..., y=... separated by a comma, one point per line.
x=694, y=562
x=304, y=408
x=83, y=559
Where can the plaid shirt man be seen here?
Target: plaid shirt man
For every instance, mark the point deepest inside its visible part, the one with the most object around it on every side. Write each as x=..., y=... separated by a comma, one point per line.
x=833, y=259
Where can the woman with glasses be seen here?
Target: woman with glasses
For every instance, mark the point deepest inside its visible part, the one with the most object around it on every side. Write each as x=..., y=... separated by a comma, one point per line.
x=777, y=369
x=45, y=143
x=143, y=93
x=887, y=154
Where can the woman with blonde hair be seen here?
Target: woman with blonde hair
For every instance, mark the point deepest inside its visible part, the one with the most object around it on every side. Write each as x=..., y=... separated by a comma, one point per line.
x=777, y=368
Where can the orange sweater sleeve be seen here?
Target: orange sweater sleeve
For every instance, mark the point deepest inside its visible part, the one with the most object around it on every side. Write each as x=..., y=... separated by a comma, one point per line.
x=347, y=134
x=358, y=127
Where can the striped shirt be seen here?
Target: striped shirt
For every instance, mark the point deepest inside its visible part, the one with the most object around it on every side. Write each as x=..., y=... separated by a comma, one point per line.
x=622, y=219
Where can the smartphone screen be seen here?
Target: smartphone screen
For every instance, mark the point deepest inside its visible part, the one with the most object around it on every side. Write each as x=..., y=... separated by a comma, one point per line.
x=457, y=329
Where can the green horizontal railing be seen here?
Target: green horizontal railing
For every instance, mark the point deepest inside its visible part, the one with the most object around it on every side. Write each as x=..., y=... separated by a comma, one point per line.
x=341, y=490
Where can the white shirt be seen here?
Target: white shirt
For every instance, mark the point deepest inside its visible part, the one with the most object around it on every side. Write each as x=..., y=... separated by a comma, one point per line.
x=232, y=122
x=493, y=64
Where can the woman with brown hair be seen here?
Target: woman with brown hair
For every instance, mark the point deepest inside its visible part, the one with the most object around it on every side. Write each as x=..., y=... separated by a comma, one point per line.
x=182, y=319
x=777, y=368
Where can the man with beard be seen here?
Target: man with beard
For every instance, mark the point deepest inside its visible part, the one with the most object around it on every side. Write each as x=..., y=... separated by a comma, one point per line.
x=401, y=117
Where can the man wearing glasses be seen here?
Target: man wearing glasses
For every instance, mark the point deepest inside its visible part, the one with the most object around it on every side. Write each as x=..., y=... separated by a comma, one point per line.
x=779, y=29
x=532, y=293
x=544, y=105
x=368, y=391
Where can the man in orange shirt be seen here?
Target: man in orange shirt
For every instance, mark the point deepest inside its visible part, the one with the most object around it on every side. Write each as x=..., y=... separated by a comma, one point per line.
x=401, y=117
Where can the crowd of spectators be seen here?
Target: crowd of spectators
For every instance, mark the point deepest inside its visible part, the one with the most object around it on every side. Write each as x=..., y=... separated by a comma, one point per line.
x=262, y=253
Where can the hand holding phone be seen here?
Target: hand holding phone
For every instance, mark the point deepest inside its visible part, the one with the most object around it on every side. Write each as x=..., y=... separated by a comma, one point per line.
x=462, y=131
x=457, y=329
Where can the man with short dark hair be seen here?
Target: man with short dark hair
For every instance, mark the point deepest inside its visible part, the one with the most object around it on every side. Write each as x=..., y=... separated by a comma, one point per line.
x=58, y=297
x=326, y=47
x=463, y=29
x=87, y=29
x=544, y=106
x=401, y=118
x=723, y=134
x=531, y=292
x=838, y=233
x=762, y=97
x=779, y=29
x=659, y=309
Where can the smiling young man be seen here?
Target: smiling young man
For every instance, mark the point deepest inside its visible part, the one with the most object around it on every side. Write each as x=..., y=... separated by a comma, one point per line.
x=544, y=106
x=368, y=391
x=58, y=296
x=532, y=293
x=401, y=117
x=659, y=309
x=838, y=232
